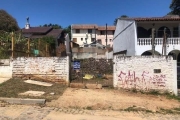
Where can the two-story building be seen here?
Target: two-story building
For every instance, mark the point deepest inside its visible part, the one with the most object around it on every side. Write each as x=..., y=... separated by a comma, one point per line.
x=86, y=34
x=133, y=36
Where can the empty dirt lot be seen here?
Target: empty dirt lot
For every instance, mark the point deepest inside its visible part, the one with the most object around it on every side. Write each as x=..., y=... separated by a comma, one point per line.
x=110, y=99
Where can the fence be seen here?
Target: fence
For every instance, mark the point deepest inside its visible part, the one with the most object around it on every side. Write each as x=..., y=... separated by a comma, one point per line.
x=14, y=45
x=93, y=71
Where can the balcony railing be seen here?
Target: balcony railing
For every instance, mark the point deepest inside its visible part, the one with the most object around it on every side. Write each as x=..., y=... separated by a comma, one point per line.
x=158, y=41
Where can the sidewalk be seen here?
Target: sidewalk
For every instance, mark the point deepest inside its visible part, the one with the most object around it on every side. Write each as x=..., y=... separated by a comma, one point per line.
x=22, y=112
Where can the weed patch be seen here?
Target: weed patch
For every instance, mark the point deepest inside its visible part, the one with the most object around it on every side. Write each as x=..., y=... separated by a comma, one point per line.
x=13, y=87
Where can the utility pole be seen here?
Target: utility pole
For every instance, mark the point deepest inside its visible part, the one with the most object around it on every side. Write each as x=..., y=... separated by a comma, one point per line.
x=12, y=45
x=153, y=40
x=106, y=34
x=95, y=33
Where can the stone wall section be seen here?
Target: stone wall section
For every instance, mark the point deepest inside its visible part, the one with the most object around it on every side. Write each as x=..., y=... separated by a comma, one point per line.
x=54, y=69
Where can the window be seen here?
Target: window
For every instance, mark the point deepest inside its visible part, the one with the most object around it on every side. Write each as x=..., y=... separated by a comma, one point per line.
x=74, y=39
x=77, y=30
x=102, y=32
x=86, y=40
x=89, y=30
x=175, y=32
x=81, y=39
x=110, y=40
x=93, y=39
x=99, y=41
x=113, y=32
x=157, y=70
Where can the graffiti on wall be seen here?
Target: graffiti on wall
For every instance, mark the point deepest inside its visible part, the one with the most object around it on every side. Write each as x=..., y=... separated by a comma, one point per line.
x=141, y=81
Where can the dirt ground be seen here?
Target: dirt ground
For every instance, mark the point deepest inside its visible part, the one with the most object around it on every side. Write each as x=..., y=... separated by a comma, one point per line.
x=111, y=99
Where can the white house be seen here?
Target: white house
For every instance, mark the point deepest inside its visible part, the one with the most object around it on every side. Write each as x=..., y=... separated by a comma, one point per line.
x=133, y=36
x=84, y=34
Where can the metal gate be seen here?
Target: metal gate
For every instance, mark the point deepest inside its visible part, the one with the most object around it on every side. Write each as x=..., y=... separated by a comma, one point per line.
x=91, y=70
x=178, y=77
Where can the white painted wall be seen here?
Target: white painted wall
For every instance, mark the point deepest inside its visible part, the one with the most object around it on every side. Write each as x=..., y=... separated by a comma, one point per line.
x=6, y=69
x=109, y=55
x=83, y=34
x=125, y=37
x=138, y=72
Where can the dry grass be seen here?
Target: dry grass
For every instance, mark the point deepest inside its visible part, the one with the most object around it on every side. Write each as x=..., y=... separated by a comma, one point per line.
x=13, y=87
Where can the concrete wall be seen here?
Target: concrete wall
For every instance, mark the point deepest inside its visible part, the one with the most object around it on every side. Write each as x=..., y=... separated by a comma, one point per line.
x=5, y=68
x=88, y=52
x=87, y=55
x=125, y=37
x=109, y=55
x=138, y=72
x=52, y=69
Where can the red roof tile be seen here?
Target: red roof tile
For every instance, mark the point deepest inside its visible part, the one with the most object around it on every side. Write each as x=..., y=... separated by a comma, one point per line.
x=92, y=26
x=85, y=26
x=108, y=27
x=165, y=18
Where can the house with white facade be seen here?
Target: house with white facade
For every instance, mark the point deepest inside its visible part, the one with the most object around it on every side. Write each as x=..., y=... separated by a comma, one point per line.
x=85, y=34
x=133, y=36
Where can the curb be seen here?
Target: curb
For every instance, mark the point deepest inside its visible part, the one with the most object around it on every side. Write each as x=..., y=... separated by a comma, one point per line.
x=23, y=101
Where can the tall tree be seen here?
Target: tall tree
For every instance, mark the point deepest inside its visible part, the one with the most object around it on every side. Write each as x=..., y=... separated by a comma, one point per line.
x=175, y=7
x=122, y=16
x=7, y=22
x=68, y=30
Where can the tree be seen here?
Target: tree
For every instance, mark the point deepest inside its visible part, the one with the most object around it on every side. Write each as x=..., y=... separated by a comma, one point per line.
x=68, y=30
x=122, y=16
x=7, y=22
x=55, y=26
x=175, y=7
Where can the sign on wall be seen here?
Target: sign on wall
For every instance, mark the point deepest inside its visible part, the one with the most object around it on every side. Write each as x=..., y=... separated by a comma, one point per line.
x=76, y=65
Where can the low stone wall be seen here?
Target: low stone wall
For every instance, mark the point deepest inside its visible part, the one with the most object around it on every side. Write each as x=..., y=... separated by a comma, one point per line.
x=145, y=73
x=5, y=68
x=54, y=69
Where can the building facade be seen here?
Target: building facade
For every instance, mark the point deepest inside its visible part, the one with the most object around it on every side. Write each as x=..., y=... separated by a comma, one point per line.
x=133, y=36
x=87, y=34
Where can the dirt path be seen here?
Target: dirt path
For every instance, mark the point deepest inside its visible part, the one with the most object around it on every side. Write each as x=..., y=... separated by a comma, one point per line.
x=112, y=100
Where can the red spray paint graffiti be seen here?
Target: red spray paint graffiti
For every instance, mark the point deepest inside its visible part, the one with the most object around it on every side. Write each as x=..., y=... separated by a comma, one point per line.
x=144, y=81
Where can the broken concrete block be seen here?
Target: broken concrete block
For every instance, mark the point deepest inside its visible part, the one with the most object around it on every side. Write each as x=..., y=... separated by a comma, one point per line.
x=77, y=85
x=94, y=86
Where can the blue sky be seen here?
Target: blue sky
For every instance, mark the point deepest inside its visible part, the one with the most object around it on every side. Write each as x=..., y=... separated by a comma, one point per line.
x=67, y=12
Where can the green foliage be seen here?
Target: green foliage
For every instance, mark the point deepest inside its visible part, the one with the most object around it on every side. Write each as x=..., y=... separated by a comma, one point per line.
x=5, y=44
x=122, y=16
x=55, y=26
x=68, y=30
x=7, y=22
x=175, y=7
x=154, y=92
x=49, y=39
x=89, y=108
